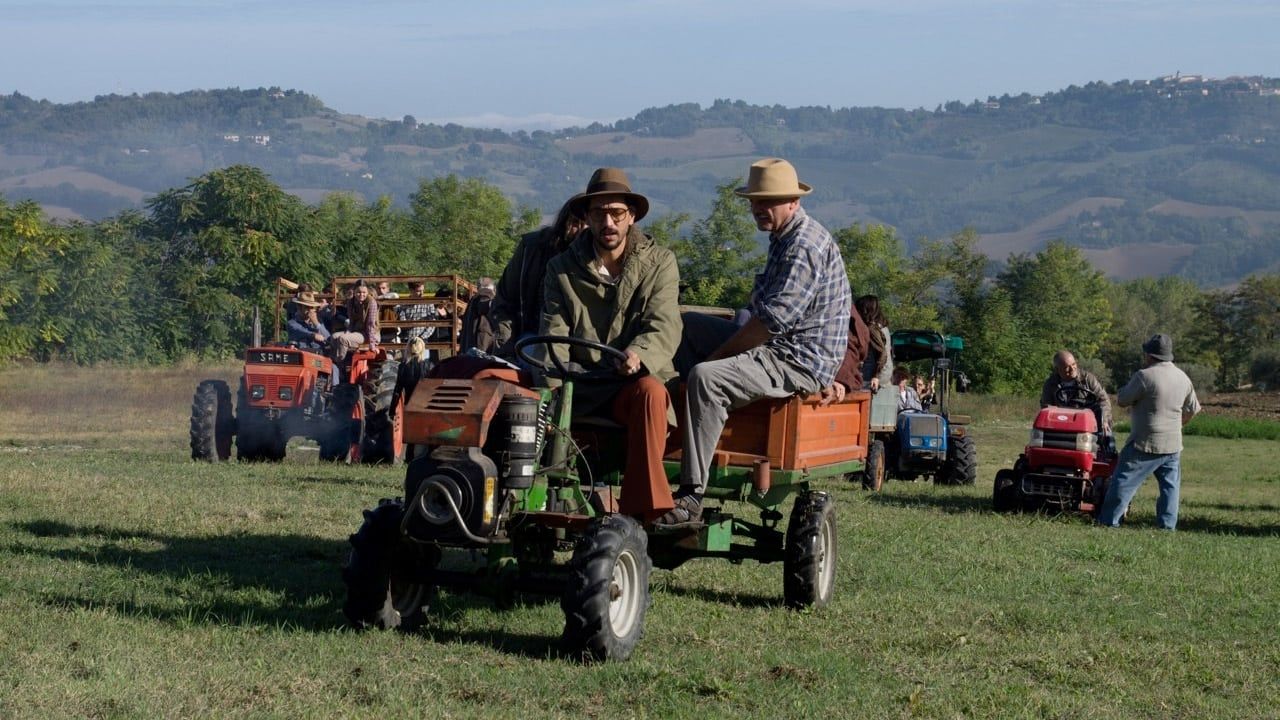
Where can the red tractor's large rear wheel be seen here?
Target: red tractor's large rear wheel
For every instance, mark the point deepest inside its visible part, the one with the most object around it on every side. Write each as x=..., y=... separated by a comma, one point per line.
x=383, y=442
x=212, y=423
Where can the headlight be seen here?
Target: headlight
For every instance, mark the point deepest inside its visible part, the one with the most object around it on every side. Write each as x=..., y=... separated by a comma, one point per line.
x=917, y=442
x=935, y=442
x=286, y=393
x=257, y=392
x=1037, y=438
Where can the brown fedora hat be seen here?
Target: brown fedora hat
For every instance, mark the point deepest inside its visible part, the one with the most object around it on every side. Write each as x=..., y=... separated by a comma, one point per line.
x=773, y=178
x=610, y=181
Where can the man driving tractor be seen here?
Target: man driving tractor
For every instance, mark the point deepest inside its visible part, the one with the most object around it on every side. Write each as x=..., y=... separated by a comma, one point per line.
x=614, y=285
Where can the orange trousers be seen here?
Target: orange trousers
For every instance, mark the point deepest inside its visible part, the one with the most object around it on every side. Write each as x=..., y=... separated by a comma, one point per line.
x=642, y=406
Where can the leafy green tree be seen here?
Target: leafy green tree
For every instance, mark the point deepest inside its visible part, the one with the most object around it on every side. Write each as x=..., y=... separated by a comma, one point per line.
x=373, y=238
x=1240, y=325
x=874, y=258
x=719, y=259
x=226, y=237
x=29, y=251
x=98, y=312
x=1139, y=309
x=1060, y=300
x=465, y=226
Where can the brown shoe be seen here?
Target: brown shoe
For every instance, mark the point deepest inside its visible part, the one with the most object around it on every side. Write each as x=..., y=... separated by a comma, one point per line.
x=686, y=514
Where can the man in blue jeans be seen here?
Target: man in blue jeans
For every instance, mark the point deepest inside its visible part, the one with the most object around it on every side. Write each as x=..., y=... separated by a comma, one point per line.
x=1163, y=400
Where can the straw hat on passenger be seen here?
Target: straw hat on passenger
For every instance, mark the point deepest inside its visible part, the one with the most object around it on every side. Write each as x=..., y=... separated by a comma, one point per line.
x=306, y=299
x=773, y=178
x=609, y=181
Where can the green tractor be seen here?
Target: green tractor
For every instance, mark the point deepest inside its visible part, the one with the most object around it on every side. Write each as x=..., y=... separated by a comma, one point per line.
x=931, y=444
x=507, y=476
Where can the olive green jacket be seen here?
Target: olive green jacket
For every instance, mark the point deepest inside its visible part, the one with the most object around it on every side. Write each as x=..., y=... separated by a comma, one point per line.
x=640, y=313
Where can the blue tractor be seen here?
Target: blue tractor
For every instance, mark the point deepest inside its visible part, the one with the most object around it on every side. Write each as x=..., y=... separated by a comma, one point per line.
x=918, y=444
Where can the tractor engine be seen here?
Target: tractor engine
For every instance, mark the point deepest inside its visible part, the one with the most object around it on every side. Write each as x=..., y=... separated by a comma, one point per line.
x=486, y=445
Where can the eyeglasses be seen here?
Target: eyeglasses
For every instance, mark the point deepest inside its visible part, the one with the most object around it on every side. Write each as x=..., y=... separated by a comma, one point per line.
x=617, y=213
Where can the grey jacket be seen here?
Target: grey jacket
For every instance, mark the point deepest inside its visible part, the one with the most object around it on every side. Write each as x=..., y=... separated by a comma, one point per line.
x=1160, y=394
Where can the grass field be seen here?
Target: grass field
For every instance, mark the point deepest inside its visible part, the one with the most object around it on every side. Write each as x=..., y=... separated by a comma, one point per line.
x=138, y=584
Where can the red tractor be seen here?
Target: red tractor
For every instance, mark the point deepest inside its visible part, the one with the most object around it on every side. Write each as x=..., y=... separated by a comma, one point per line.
x=289, y=392
x=1066, y=464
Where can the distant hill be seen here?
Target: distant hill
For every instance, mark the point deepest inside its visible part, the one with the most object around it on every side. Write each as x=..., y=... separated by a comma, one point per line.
x=1175, y=175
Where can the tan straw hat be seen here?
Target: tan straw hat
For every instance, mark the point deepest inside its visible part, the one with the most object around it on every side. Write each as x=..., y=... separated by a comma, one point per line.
x=609, y=181
x=306, y=299
x=773, y=178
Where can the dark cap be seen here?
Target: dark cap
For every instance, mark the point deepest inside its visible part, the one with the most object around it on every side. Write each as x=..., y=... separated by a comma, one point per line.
x=1159, y=347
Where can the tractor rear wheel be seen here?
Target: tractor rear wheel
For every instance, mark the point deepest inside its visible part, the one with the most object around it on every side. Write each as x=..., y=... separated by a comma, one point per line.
x=809, y=559
x=212, y=423
x=961, y=467
x=341, y=430
x=1004, y=492
x=386, y=577
x=382, y=424
x=607, y=593
x=873, y=475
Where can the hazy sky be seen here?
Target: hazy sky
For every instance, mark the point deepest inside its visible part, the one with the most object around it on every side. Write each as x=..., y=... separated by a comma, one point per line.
x=555, y=63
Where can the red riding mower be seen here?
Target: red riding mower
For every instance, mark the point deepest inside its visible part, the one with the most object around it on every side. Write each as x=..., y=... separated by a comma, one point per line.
x=1066, y=464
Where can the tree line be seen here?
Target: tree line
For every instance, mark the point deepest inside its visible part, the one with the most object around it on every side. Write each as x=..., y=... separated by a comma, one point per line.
x=181, y=279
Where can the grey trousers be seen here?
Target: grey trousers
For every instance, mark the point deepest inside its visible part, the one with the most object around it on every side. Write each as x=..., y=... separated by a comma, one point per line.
x=714, y=388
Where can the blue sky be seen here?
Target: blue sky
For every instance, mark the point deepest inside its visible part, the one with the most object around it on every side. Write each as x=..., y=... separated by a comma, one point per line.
x=555, y=63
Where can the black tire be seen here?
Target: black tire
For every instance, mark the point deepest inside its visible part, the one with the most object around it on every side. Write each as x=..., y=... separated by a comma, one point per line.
x=341, y=430
x=1004, y=492
x=378, y=445
x=212, y=423
x=809, y=560
x=387, y=577
x=961, y=467
x=607, y=593
x=873, y=475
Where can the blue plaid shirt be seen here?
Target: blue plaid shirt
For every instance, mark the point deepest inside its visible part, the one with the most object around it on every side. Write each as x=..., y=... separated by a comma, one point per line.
x=803, y=297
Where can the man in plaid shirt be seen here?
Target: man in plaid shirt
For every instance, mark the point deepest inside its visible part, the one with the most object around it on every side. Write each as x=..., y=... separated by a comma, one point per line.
x=793, y=343
x=424, y=311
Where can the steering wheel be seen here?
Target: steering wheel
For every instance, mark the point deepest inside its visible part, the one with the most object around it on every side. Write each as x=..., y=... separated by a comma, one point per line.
x=1078, y=396
x=560, y=370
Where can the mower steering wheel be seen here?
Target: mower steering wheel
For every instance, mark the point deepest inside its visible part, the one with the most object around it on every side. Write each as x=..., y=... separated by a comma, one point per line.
x=572, y=370
x=1076, y=397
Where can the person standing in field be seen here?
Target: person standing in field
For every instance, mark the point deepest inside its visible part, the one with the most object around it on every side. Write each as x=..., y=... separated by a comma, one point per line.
x=1163, y=401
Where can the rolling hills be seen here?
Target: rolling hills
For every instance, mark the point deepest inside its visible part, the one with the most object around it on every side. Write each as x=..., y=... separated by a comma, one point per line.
x=1173, y=175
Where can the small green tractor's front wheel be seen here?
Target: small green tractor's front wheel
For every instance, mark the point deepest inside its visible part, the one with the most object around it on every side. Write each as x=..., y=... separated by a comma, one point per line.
x=809, y=559
x=873, y=475
x=212, y=423
x=607, y=593
x=385, y=576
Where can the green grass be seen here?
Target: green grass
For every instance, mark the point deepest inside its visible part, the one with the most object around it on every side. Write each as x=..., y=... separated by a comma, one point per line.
x=1230, y=428
x=139, y=584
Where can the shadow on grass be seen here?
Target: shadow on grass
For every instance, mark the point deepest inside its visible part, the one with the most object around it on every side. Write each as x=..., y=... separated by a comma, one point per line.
x=1232, y=507
x=248, y=580
x=942, y=501
x=1216, y=527
x=270, y=581
x=721, y=597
